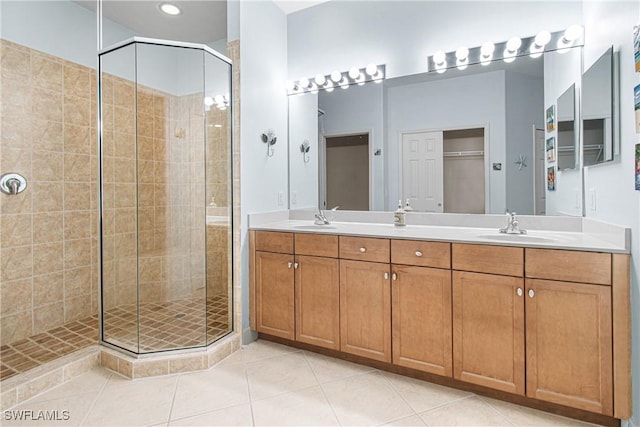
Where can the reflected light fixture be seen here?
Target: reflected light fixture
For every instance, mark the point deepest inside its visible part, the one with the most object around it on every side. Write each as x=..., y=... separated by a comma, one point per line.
x=571, y=34
x=462, y=57
x=486, y=52
x=170, y=9
x=440, y=61
x=328, y=82
x=537, y=47
x=511, y=49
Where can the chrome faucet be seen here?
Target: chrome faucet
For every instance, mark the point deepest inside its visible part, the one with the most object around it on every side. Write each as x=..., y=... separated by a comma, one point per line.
x=321, y=219
x=513, y=225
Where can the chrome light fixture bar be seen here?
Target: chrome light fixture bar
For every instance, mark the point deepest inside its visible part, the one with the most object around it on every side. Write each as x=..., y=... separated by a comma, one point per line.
x=507, y=51
x=337, y=79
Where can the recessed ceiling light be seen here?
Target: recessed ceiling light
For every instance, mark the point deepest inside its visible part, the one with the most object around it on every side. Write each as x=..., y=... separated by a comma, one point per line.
x=170, y=9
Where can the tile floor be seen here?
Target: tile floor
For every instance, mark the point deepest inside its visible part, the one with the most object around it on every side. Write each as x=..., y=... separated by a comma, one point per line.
x=269, y=384
x=163, y=326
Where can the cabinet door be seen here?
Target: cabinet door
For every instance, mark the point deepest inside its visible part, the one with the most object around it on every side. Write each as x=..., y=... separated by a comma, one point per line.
x=569, y=344
x=365, y=309
x=274, y=294
x=421, y=318
x=318, y=301
x=488, y=330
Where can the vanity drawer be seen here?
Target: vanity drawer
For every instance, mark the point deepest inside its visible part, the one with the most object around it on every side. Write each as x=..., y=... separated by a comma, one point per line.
x=364, y=249
x=570, y=266
x=274, y=241
x=424, y=254
x=316, y=245
x=505, y=260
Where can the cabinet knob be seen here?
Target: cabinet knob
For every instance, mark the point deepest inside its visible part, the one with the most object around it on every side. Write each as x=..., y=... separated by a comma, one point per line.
x=531, y=293
x=295, y=265
x=394, y=276
x=363, y=249
x=519, y=292
x=418, y=253
x=289, y=264
x=386, y=276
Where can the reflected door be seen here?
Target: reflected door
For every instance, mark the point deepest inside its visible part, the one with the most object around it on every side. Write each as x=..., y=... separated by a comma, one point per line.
x=422, y=171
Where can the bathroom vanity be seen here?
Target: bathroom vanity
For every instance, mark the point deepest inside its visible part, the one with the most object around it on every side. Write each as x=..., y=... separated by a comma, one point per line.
x=537, y=319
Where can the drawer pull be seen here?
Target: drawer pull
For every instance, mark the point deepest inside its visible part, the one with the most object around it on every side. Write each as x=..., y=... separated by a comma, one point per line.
x=386, y=276
x=418, y=253
x=519, y=292
x=363, y=249
x=531, y=293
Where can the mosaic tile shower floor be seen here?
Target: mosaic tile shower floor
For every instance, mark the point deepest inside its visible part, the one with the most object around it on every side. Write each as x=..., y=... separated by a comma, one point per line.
x=163, y=326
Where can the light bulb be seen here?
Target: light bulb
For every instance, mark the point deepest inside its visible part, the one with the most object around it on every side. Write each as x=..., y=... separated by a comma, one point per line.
x=320, y=79
x=336, y=76
x=304, y=82
x=344, y=83
x=513, y=44
x=328, y=86
x=378, y=76
x=542, y=38
x=462, y=53
x=354, y=73
x=208, y=101
x=313, y=88
x=487, y=48
x=573, y=33
x=439, y=58
x=371, y=69
x=219, y=99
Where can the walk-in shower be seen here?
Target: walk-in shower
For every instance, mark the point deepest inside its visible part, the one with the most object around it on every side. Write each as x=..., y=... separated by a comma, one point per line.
x=165, y=195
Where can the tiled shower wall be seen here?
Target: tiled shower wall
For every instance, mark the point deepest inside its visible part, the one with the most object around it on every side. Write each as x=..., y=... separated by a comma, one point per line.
x=48, y=255
x=48, y=258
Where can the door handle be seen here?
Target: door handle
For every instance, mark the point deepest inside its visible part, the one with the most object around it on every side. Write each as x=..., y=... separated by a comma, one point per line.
x=519, y=292
x=295, y=265
x=531, y=293
x=386, y=276
x=289, y=264
x=394, y=276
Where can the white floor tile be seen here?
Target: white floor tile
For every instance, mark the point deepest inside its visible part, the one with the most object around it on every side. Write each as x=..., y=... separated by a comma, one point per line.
x=239, y=415
x=89, y=382
x=421, y=395
x=330, y=369
x=124, y=402
x=279, y=374
x=411, y=421
x=465, y=412
x=366, y=399
x=307, y=407
x=261, y=349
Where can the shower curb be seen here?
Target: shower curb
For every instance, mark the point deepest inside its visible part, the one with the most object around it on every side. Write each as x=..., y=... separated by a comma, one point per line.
x=158, y=365
x=24, y=386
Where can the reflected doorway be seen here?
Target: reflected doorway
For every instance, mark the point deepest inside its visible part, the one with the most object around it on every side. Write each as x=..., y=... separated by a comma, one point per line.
x=346, y=172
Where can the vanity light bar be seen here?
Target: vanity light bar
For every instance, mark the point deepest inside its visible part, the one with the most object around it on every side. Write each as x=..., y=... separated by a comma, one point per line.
x=220, y=101
x=507, y=51
x=337, y=79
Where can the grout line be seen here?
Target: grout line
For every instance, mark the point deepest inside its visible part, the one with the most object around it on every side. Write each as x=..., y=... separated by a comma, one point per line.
x=95, y=401
x=246, y=376
x=173, y=400
x=324, y=393
x=399, y=394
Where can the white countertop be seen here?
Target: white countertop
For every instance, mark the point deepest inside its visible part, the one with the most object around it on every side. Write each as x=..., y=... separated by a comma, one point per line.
x=596, y=241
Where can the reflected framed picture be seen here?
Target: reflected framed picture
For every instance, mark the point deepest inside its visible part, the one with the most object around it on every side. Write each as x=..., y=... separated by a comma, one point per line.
x=551, y=118
x=551, y=149
x=551, y=178
x=638, y=167
x=636, y=47
x=636, y=101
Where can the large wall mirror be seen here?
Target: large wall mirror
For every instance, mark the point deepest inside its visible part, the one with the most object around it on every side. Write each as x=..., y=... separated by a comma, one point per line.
x=597, y=110
x=475, y=136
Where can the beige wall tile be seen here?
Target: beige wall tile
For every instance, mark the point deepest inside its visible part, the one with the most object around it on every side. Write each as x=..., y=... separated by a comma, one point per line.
x=124, y=144
x=15, y=296
x=47, y=134
x=109, y=361
x=125, y=170
x=47, y=227
x=16, y=131
x=125, y=220
x=47, y=196
x=47, y=258
x=77, y=253
x=47, y=166
x=145, y=125
x=77, y=196
x=17, y=263
x=144, y=369
x=77, y=281
x=123, y=93
x=77, y=307
x=49, y=105
x=124, y=120
x=42, y=383
x=15, y=63
x=186, y=364
x=76, y=139
x=47, y=317
x=77, y=167
x=77, y=225
x=48, y=289
x=15, y=327
x=46, y=73
x=16, y=230
x=16, y=159
x=125, y=368
x=77, y=80
x=77, y=111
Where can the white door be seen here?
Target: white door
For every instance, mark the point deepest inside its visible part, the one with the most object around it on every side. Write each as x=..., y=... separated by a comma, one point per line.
x=422, y=171
x=540, y=178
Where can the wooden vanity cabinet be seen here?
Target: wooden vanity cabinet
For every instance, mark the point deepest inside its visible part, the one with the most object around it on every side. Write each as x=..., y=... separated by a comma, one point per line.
x=421, y=305
x=569, y=329
x=274, y=297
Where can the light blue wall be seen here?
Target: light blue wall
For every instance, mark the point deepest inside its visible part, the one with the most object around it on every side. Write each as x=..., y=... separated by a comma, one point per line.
x=263, y=72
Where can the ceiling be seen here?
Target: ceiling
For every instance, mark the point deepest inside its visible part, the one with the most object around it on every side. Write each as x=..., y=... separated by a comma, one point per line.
x=200, y=21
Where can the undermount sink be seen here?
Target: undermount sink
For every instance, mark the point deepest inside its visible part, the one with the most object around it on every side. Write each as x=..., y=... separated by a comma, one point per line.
x=524, y=238
x=313, y=227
